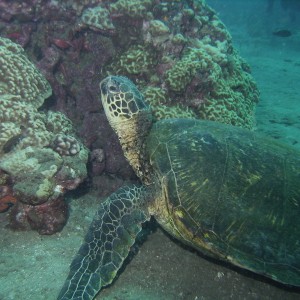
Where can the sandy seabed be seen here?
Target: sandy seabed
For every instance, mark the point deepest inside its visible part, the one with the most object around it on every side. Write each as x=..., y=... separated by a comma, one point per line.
x=34, y=267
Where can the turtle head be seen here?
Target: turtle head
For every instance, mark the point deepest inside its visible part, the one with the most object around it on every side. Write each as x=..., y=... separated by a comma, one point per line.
x=122, y=101
x=129, y=116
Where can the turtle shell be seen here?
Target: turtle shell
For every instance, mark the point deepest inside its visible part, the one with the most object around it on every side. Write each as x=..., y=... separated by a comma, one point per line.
x=229, y=193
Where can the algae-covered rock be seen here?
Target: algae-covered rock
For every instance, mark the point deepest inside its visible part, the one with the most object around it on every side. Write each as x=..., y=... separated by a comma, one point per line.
x=183, y=48
x=33, y=171
x=136, y=60
x=41, y=174
x=39, y=150
x=132, y=8
x=157, y=27
x=184, y=70
x=23, y=90
x=97, y=18
x=233, y=94
x=19, y=77
x=157, y=98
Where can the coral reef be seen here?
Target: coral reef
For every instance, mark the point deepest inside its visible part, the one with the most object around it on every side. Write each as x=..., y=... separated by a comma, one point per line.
x=184, y=70
x=178, y=53
x=65, y=145
x=136, y=60
x=185, y=50
x=37, y=150
x=41, y=174
x=97, y=18
x=22, y=91
x=157, y=27
x=132, y=8
x=157, y=99
x=18, y=76
x=77, y=5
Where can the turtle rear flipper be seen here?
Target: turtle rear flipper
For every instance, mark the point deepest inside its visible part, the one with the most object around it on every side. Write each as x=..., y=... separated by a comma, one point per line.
x=107, y=243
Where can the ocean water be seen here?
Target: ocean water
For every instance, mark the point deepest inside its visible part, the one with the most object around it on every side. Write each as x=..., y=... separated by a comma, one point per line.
x=34, y=266
x=273, y=59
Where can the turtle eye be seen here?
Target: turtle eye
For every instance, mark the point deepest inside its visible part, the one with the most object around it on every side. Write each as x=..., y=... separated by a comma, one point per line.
x=112, y=88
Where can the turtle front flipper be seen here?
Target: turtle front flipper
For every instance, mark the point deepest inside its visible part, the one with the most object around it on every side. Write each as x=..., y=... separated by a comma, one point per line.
x=107, y=243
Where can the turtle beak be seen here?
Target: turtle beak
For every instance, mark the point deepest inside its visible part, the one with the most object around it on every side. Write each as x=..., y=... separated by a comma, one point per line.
x=103, y=88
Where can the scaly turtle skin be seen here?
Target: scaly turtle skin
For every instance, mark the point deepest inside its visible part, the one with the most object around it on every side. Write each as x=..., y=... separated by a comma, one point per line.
x=225, y=191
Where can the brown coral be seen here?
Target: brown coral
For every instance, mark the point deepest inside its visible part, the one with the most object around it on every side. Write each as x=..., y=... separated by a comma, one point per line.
x=19, y=77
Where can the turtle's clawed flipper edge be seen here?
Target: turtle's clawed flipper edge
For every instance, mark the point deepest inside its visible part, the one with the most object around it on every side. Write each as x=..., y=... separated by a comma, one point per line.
x=107, y=243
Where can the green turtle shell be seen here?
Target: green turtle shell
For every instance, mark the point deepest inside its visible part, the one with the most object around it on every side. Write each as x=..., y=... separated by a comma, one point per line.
x=230, y=193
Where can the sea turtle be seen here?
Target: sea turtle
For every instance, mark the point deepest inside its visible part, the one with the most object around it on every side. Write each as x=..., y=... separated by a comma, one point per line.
x=223, y=190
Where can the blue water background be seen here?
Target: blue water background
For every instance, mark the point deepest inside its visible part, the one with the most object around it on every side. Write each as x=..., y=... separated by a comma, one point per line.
x=274, y=60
